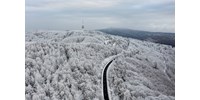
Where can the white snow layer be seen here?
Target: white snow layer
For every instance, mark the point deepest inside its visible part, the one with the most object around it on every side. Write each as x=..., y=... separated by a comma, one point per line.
x=68, y=66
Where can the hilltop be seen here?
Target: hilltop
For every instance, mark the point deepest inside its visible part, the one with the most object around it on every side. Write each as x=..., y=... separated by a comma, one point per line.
x=67, y=65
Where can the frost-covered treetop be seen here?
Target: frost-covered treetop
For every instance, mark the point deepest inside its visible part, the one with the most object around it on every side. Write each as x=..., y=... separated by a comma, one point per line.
x=67, y=65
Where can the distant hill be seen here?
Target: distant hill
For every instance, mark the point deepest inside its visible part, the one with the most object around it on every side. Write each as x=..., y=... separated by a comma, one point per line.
x=157, y=37
x=68, y=65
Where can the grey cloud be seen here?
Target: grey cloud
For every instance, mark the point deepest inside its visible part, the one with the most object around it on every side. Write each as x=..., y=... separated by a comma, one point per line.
x=151, y=15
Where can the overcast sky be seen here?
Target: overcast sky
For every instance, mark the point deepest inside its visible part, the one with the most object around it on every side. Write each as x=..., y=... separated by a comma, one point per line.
x=149, y=15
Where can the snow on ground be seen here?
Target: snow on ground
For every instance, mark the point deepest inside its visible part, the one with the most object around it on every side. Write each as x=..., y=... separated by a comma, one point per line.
x=67, y=65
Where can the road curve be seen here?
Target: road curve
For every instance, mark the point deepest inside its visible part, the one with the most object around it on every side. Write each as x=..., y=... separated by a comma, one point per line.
x=105, y=84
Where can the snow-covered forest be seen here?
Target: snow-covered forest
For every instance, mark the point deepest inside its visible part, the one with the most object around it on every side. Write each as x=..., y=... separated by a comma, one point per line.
x=67, y=65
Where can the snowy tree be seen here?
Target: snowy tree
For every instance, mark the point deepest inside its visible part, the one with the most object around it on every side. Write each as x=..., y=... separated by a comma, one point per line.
x=68, y=66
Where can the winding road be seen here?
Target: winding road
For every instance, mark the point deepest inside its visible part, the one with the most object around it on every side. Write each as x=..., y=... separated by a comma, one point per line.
x=107, y=62
x=105, y=84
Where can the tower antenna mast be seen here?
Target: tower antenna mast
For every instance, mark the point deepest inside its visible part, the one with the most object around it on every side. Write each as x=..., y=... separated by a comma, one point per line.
x=82, y=25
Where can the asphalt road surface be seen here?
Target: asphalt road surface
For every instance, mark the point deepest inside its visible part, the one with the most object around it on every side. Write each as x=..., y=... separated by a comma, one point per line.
x=105, y=84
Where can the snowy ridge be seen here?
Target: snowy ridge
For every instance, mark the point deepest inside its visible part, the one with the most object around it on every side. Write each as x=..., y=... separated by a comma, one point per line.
x=68, y=65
